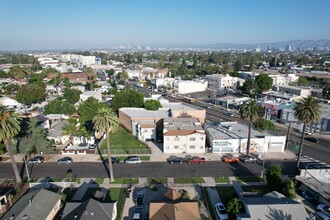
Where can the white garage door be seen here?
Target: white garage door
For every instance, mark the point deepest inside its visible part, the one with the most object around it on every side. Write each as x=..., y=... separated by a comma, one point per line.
x=275, y=147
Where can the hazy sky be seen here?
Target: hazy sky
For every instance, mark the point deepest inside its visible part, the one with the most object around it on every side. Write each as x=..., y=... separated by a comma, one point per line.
x=55, y=24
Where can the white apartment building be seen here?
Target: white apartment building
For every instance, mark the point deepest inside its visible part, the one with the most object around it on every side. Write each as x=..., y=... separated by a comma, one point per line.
x=280, y=80
x=219, y=82
x=87, y=60
x=183, y=135
x=184, y=87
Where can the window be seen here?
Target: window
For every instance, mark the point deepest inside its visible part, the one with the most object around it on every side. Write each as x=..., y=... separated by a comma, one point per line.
x=192, y=139
x=177, y=139
x=145, y=130
x=176, y=147
x=167, y=147
x=201, y=147
x=202, y=138
x=167, y=138
x=192, y=146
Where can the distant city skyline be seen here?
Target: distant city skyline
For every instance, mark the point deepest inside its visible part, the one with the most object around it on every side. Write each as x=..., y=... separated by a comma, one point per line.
x=61, y=24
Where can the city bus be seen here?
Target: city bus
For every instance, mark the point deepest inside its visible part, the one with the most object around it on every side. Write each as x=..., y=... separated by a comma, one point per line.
x=188, y=100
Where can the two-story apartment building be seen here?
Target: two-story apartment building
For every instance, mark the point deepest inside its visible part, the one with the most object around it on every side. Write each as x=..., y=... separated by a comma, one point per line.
x=188, y=86
x=219, y=82
x=183, y=135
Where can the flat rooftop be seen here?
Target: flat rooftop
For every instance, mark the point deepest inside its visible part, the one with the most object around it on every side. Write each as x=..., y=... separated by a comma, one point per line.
x=182, y=124
x=143, y=113
x=230, y=130
x=177, y=106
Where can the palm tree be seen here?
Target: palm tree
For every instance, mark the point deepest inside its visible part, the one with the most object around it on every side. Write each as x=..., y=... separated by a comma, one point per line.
x=56, y=75
x=251, y=112
x=9, y=128
x=20, y=72
x=307, y=110
x=91, y=77
x=105, y=121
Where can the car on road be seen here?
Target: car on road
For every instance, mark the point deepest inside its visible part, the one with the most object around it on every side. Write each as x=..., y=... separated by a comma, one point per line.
x=114, y=160
x=221, y=211
x=196, y=159
x=35, y=160
x=139, y=200
x=229, y=158
x=65, y=160
x=133, y=160
x=229, y=113
x=175, y=159
x=248, y=159
x=312, y=139
x=324, y=209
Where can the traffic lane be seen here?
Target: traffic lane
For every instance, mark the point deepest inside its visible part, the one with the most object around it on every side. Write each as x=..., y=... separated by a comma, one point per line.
x=146, y=169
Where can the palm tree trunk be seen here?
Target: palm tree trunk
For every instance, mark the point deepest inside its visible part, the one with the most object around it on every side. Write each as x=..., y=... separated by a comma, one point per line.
x=301, y=146
x=109, y=160
x=13, y=162
x=249, y=139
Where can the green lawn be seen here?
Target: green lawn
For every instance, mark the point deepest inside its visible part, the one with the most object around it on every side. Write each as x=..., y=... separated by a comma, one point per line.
x=121, y=139
x=222, y=180
x=247, y=179
x=209, y=204
x=226, y=193
x=125, y=181
x=260, y=189
x=99, y=180
x=157, y=180
x=179, y=180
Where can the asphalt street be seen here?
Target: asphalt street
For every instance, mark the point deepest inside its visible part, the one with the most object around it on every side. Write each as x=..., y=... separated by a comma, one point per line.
x=146, y=169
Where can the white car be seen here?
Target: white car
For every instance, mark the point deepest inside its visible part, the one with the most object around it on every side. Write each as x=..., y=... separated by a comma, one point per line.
x=221, y=211
x=133, y=160
x=324, y=209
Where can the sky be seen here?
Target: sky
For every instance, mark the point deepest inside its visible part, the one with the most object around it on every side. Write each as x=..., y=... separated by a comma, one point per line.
x=63, y=24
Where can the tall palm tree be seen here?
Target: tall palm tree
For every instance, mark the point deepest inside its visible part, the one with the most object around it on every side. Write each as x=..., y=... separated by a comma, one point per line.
x=9, y=128
x=105, y=121
x=251, y=112
x=307, y=110
x=91, y=76
x=20, y=72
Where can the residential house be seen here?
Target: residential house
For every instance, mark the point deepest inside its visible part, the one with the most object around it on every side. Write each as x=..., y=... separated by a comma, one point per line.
x=183, y=135
x=174, y=208
x=90, y=209
x=231, y=137
x=188, y=86
x=94, y=94
x=10, y=103
x=36, y=204
x=272, y=205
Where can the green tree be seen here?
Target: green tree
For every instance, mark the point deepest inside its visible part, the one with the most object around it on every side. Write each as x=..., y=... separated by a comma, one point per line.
x=263, y=82
x=274, y=178
x=249, y=86
x=91, y=77
x=105, y=121
x=127, y=98
x=123, y=76
x=251, y=112
x=35, y=139
x=152, y=105
x=234, y=206
x=307, y=110
x=59, y=106
x=9, y=128
x=264, y=124
x=70, y=128
x=238, y=65
x=326, y=92
x=3, y=74
x=20, y=72
x=31, y=93
x=302, y=81
x=55, y=75
x=88, y=108
x=11, y=89
x=289, y=189
x=71, y=95
x=37, y=78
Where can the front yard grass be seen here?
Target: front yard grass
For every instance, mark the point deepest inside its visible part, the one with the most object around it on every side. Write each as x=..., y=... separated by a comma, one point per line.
x=226, y=193
x=247, y=179
x=222, y=180
x=262, y=190
x=125, y=181
x=180, y=180
x=118, y=194
x=121, y=139
x=157, y=180
x=99, y=180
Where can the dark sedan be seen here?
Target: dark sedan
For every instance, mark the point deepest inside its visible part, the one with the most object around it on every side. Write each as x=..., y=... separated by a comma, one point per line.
x=175, y=159
x=248, y=159
x=114, y=160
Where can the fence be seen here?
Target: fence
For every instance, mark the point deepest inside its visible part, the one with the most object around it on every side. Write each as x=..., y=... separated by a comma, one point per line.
x=127, y=151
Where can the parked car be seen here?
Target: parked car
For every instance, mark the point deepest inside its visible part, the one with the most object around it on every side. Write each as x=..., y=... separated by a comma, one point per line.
x=65, y=160
x=324, y=209
x=249, y=159
x=133, y=160
x=175, y=159
x=312, y=139
x=35, y=160
x=321, y=216
x=139, y=200
x=229, y=158
x=221, y=211
x=114, y=160
x=196, y=159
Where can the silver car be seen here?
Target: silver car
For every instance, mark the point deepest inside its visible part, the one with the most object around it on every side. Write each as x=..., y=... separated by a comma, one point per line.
x=133, y=160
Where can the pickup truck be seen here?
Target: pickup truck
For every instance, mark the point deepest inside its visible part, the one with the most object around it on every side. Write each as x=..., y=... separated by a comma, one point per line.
x=199, y=160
